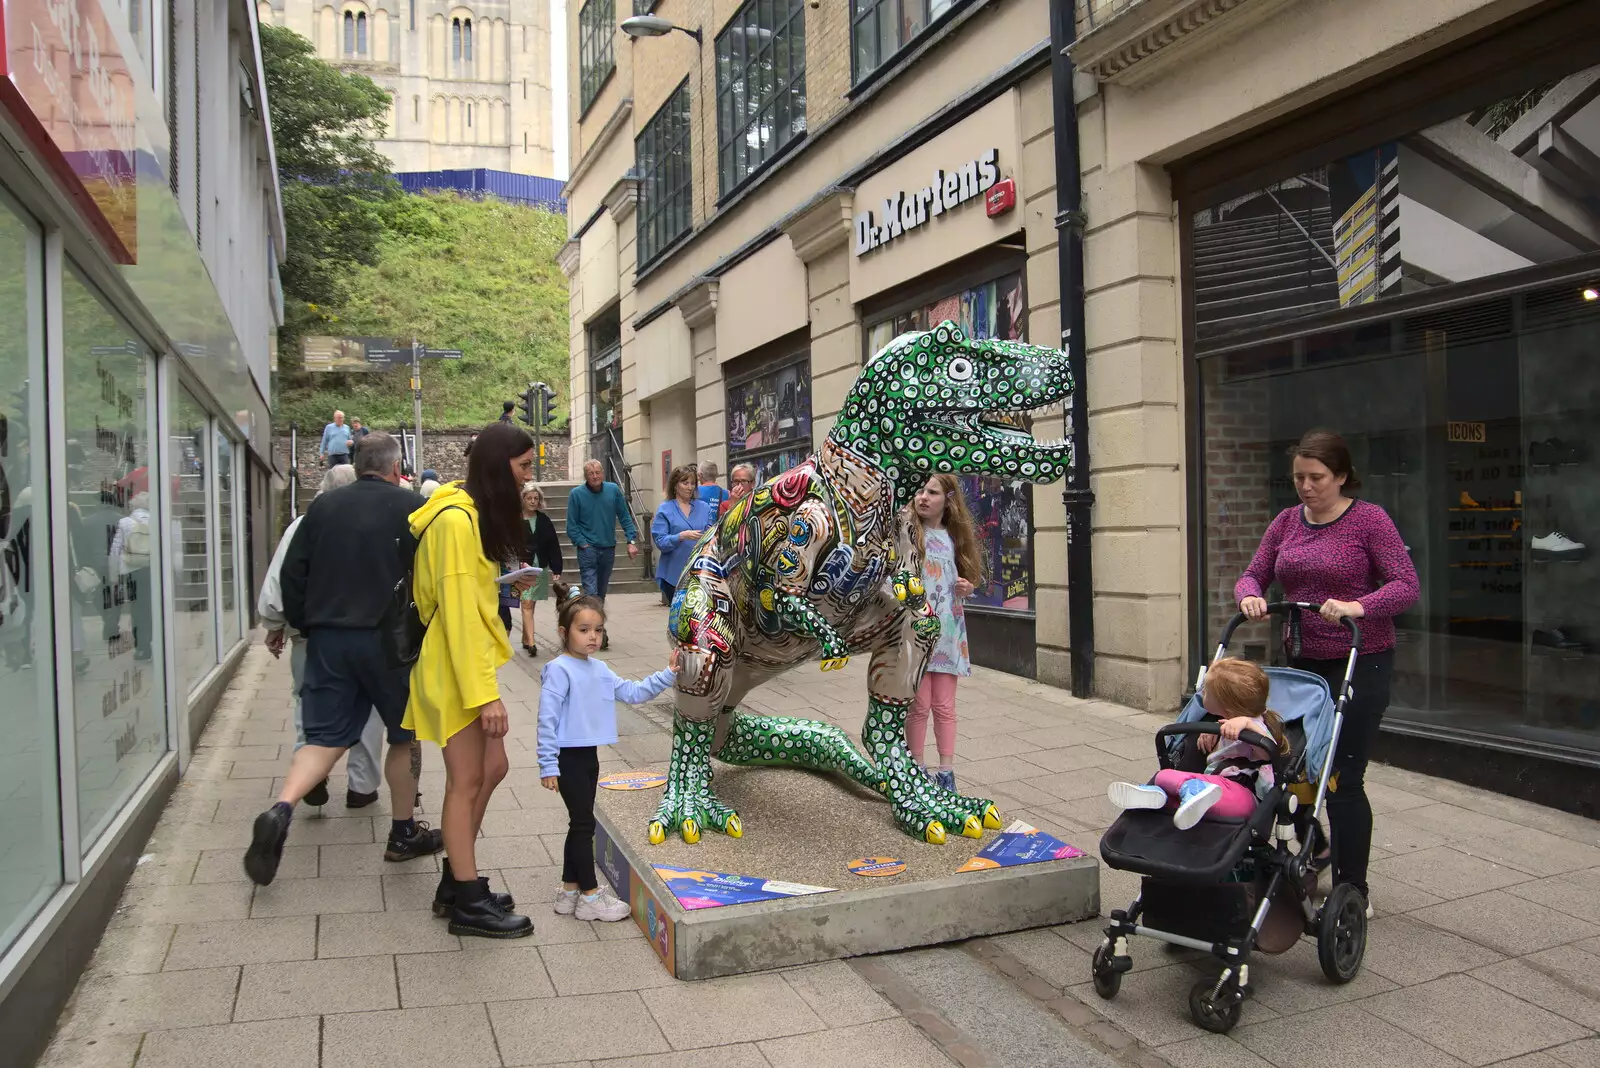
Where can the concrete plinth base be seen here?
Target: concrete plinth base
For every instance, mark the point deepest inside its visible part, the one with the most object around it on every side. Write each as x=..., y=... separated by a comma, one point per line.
x=803, y=827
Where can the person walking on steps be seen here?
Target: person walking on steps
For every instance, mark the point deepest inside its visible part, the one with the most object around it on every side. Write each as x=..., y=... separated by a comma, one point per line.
x=543, y=550
x=336, y=598
x=593, y=511
x=677, y=525
x=336, y=442
x=578, y=698
x=1344, y=554
x=951, y=570
x=466, y=533
x=365, y=761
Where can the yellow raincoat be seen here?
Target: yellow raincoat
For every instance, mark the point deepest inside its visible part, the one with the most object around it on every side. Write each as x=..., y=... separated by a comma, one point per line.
x=454, y=585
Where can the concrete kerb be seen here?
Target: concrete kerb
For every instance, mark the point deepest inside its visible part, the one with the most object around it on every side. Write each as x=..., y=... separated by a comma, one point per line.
x=847, y=922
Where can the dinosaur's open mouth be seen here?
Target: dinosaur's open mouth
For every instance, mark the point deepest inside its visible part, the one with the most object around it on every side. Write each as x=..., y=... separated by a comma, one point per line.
x=1003, y=426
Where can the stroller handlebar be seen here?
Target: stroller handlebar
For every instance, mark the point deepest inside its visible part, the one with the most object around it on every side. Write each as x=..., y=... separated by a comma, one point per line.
x=1292, y=609
x=1255, y=738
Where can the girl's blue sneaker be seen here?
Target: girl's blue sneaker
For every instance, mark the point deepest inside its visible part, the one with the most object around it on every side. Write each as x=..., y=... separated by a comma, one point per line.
x=946, y=779
x=1126, y=795
x=1195, y=798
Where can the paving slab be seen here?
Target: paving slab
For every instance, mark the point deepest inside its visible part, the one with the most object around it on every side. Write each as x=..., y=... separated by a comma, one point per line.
x=276, y=1044
x=1340, y=1036
x=133, y=1004
x=592, y=1026
x=1408, y=952
x=313, y=987
x=1511, y=925
x=208, y=945
x=1454, y=1014
x=886, y=1044
x=454, y=1035
x=512, y=973
x=1564, y=980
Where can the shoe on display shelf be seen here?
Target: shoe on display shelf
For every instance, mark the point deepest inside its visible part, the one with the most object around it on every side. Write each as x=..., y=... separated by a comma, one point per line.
x=1557, y=546
x=1552, y=452
x=1558, y=640
x=1466, y=500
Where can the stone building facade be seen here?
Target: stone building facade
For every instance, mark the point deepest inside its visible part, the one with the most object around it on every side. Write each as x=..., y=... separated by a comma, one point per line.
x=469, y=83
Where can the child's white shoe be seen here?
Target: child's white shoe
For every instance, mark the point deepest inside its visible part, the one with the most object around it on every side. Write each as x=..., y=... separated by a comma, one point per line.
x=566, y=902
x=602, y=905
x=1195, y=799
x=1126, y=795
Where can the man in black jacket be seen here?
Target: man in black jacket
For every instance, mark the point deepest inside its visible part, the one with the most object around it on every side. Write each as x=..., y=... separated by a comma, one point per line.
x=336, y=599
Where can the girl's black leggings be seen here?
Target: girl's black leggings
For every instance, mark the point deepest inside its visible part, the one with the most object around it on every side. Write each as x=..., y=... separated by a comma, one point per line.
x=580, y=776
x=1349, y=811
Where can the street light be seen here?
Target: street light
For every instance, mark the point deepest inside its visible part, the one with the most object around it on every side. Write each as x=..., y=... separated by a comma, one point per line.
x=654, y=26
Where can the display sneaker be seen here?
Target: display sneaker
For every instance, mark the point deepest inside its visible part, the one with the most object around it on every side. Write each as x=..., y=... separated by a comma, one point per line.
x=424, y=841
x=1126, y=795
x=945, y=779
x=602, y=905
x=566, y=902
x=1557, y=546
x=1466, y=500
x=1195, y=799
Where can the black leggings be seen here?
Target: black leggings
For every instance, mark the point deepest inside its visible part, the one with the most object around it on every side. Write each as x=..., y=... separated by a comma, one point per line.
x=1349, y=811
x=580, y=774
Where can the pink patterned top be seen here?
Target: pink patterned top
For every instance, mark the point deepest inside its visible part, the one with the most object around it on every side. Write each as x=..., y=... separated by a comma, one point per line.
x=1356, y=557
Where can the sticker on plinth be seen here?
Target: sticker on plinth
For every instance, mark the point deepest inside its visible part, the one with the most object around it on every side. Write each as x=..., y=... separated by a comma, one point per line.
x=1020, y=843
x=876, y=867
x=633, y=780
x=696, y=889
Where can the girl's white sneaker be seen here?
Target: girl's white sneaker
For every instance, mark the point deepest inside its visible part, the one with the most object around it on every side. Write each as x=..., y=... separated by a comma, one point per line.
x=1126, y=795
x=566, y=902
x=603, y=906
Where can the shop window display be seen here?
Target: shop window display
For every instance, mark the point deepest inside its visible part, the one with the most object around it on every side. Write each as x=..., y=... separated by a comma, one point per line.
x=30, y=837
x=113, y=539
x=769, y=418
x=1474, y=423
x=1002, y=509
x=189, y=460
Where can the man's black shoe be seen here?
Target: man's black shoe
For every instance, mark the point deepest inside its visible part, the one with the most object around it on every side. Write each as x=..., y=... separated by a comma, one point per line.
x=317, y=796
x=266, y=845
x=444, y=898
x=424, y=842
x=475, y=913
x=355, y=800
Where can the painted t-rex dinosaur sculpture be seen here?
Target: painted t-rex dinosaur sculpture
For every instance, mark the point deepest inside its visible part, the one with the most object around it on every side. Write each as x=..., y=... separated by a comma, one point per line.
x=824, y=559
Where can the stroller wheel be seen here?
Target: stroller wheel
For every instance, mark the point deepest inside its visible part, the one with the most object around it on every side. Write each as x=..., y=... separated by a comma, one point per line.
x=1216, y=1013
x=1342, y=933
x=1107, y=980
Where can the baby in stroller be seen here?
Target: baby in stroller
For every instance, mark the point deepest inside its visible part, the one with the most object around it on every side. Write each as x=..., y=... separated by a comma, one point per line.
x=1237, y=774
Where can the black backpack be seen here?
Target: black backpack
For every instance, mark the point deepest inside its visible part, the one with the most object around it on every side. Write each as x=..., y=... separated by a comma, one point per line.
x=402, y=627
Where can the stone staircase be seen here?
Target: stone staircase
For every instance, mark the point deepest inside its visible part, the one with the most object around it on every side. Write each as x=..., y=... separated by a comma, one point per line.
x=1257, y=269
x=628, y=576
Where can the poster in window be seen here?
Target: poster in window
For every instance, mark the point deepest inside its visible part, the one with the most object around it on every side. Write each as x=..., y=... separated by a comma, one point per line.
x=770, y=411
x=1002, y=509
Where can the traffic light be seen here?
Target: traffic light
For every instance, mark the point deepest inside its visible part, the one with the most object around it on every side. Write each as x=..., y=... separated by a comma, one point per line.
x=527, y=403
x=547, y=405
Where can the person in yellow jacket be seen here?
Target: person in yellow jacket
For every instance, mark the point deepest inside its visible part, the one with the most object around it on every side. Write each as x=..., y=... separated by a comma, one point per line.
x=468, y=534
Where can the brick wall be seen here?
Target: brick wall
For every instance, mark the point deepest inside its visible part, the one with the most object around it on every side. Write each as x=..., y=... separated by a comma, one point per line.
x=1238, y=503
x=442, y=450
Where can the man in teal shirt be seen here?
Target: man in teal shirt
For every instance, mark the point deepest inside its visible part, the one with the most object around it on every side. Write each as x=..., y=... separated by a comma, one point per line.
x=593, y=511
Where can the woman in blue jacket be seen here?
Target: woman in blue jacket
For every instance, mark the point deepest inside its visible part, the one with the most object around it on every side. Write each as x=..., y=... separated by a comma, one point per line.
x=678, y=524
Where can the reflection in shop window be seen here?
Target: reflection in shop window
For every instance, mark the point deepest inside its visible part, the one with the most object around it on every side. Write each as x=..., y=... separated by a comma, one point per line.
x=113, y=541
x=1001, y=508
x=769, y=417
x=30, y=836
x=880, y=28
x=188, y=458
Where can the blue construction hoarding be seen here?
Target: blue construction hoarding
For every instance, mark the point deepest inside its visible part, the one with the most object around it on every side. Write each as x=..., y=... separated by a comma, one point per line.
x=526, y=189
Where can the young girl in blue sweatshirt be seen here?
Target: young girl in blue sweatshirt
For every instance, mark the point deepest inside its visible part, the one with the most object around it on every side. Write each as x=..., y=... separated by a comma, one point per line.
x=577, y=714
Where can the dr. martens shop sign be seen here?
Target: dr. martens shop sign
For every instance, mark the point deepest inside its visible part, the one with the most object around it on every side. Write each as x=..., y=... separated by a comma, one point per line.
x=66, y=84
x=905, y=211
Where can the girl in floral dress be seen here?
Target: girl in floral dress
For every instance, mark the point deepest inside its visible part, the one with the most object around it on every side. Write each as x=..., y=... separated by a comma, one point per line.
x=951, y=570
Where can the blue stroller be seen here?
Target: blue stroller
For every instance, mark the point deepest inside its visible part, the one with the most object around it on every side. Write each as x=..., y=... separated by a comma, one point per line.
x=1230, y=887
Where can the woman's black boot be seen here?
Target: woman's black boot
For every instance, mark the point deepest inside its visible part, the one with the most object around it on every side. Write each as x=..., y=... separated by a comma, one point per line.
x=477, y=914
x=444, y=898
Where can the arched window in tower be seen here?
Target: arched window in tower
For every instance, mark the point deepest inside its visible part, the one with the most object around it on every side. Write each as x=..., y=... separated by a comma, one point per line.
x=469, y=116
x=455, y=40
x=361, y=34
x=349, y=34
x=413, y=12
x=466, y=37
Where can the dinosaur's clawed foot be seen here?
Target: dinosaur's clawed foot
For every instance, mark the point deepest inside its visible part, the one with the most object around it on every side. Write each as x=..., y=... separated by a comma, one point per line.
x=835, y=663
x=688, y=805
x=928, y=811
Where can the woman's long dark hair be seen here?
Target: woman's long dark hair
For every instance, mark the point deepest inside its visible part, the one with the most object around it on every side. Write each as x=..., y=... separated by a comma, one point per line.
x=496, y=492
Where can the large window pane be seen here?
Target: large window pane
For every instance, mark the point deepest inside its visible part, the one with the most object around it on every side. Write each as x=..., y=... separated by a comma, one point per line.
x=188, y=458
x=30, y=836
x=661, y=155
x=751, y=80
x=227, y=573
x=114, y=537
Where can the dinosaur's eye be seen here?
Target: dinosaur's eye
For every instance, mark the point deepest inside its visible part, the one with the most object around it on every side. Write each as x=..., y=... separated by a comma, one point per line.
x=961, y=369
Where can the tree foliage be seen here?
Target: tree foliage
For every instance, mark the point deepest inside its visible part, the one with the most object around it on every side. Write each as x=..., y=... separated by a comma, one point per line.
x=336, y=186
x=479, y=276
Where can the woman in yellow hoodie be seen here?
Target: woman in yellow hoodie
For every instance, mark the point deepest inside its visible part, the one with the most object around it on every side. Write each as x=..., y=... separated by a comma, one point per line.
x=467, y=533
